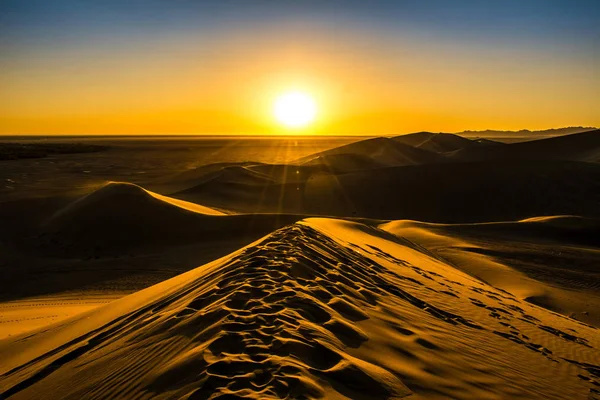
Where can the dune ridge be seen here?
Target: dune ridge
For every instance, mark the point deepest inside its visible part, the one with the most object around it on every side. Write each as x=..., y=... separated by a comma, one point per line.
x=382, y=150
x=440, y=143
x=581, y=146
x=308, y=311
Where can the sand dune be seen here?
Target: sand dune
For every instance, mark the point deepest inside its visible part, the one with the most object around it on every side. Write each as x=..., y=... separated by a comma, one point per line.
x=456, y=307
x=384, y=151
x=123, y=194
x=121, y=216
x=232, y=175
x=456, y=180
x=341, y=163
x=242, y=198
x=579, y=146
x=322, y=308
x=223, y=172
x=452, y=193
x=122, y=212
x=461, y=192
x=440, y=142
x=414, y=139
x=115, y=240
x=550, y=261
x=583, y=146
x=17, y=317
x=563, y=229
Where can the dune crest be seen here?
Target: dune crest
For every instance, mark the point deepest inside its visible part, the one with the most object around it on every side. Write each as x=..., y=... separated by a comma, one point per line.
x=124, y=194
x=383, y=151
x=440, y=142
x=319, y=309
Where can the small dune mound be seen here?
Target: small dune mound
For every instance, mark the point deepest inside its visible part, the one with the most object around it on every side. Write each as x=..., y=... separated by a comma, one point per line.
x=318, y=309
x=237, y=175
x=127, y=213
x=564, y=229
x=120, y=217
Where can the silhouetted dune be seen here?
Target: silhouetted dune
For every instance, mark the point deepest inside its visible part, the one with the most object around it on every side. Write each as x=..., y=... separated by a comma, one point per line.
x=440, y=192
x=564, y=229
x=233, y=174
x=244, y=198
x=384, y=178
x=227, y=172
x=414, y=139
x=381, y=150
x=340, y=163
x=460, y=192
x=437, y=142
x=124, y=216
x=584, y=146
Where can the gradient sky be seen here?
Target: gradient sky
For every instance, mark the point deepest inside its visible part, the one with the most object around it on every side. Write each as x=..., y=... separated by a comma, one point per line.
x=374, y=67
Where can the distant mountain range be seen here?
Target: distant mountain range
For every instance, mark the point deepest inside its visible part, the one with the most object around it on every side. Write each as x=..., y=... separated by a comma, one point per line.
x=526, y=132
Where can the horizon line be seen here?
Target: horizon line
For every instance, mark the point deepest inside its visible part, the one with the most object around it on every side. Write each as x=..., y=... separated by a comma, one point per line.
x=290, y=135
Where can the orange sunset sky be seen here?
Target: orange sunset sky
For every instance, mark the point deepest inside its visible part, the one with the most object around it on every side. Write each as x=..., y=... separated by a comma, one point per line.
x=178, y=68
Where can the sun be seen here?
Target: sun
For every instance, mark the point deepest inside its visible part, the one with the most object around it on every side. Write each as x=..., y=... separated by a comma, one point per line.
x=295, y=109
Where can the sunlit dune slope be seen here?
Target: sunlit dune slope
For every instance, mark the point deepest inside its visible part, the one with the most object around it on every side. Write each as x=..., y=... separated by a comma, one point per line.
x=550, y=261
x=318, y=309
x=123, y=194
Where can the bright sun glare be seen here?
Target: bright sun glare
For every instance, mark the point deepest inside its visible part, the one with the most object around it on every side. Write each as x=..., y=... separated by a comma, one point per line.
x=295, y=109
